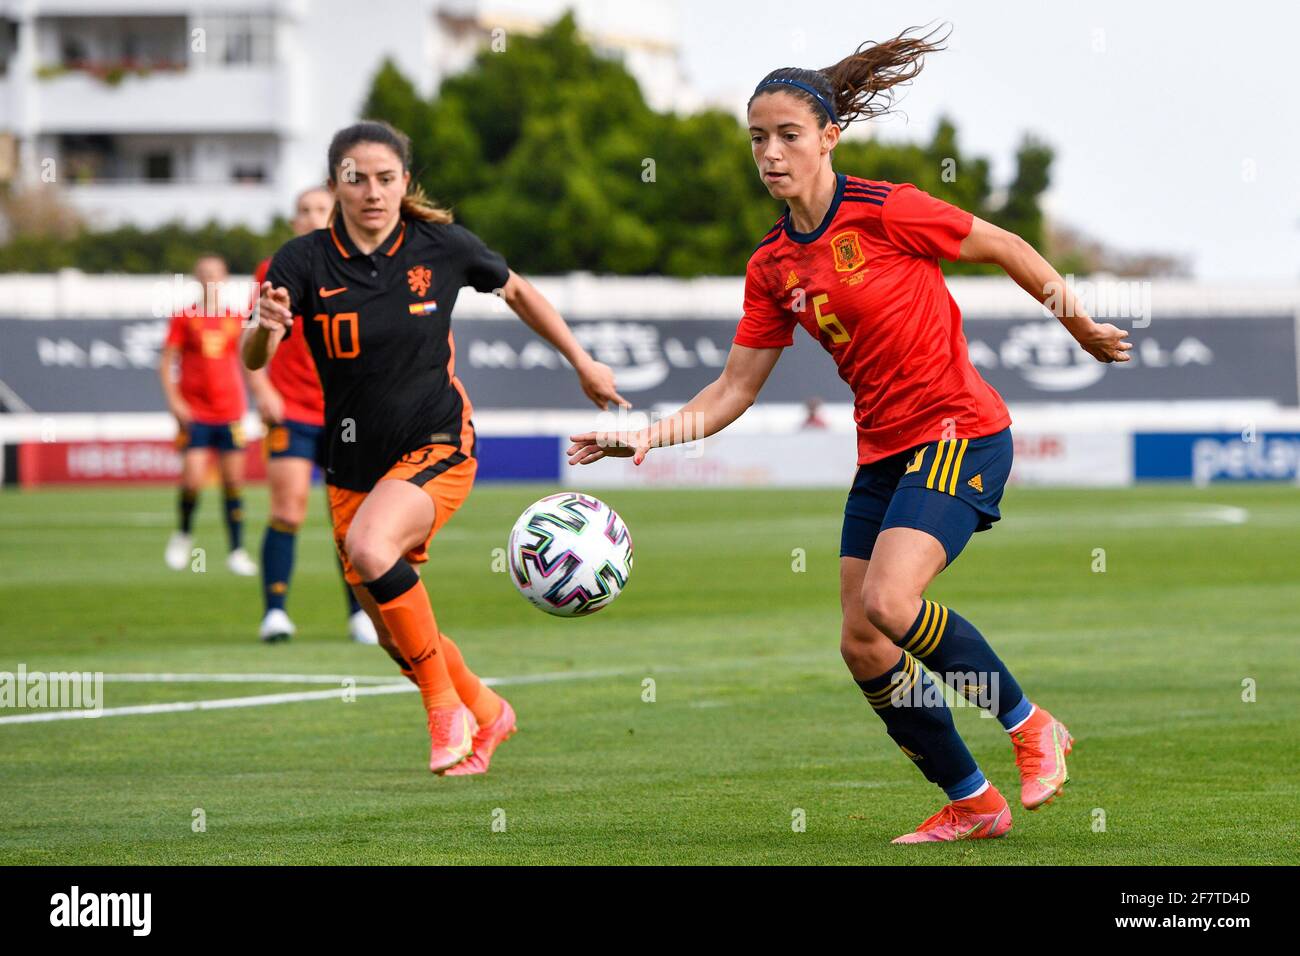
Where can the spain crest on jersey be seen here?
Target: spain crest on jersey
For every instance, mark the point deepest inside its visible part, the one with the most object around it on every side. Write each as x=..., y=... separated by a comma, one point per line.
x=419, y=279
x=848, y=251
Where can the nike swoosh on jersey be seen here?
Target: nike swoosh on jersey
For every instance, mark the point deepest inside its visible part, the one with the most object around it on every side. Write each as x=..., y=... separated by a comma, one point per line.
x=326, y=293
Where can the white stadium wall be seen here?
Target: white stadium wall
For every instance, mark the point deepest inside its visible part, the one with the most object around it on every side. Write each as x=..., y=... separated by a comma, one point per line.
x=1213, y=392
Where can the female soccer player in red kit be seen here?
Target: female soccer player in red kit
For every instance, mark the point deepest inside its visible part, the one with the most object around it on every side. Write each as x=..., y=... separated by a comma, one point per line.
x=207, y=400
x=376, y=291
x=855, y=262
x=288, y=396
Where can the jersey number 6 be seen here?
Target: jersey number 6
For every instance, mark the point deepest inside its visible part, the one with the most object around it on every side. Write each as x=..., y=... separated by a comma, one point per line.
x=828, y=323
x=331, y=329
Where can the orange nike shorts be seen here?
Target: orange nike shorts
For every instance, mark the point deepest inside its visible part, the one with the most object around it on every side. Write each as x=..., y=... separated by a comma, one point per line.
x=447, y=482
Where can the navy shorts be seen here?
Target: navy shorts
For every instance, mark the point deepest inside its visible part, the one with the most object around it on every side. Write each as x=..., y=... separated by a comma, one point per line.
x=949, y=488
x=226, y=436
x=291, y=439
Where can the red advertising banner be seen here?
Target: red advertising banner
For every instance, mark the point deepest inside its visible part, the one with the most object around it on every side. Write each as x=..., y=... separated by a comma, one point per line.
x=116, y=460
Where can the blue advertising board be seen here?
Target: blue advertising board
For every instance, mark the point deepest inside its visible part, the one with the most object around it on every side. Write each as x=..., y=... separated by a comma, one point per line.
x=1216, y=456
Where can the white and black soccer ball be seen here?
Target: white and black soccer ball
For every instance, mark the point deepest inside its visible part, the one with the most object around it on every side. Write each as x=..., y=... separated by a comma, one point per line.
x=570, y=554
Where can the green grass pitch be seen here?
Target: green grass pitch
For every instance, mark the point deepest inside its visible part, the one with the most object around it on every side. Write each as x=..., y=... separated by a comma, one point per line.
x=753, y=717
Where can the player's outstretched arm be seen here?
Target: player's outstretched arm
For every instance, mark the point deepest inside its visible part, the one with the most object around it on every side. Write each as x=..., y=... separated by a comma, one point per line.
x=539, y=315
x=717, y=405
x=1034, y=274
x=271, y=317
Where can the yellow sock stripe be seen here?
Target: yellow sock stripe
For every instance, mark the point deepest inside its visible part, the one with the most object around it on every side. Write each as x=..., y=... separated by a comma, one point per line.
x=956, y=468
x=934, y=467
x=932, y=641
x=886, y=697
x=925, y=622
x=923, y=635
x=881, y=698
x=905, y=686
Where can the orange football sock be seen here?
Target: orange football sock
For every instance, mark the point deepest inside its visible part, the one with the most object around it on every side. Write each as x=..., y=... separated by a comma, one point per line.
x=474, y=694
x=408, y=615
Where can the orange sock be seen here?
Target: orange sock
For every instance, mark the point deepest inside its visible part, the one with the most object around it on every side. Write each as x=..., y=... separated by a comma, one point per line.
x=474, y=694
x=408, y=615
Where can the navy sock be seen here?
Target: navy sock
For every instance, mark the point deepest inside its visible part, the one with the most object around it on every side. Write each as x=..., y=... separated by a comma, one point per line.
x=277, y=562
x=952, y=648
x=234, y=517
x=188, y=501
x=353, y=604
x=916, y=716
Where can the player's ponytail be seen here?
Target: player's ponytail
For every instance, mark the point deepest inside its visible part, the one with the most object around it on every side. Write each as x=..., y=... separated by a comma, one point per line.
x=860, y=85
x=415, y=204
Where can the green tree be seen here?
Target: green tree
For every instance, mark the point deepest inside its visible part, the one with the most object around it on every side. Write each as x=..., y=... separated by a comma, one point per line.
x=1021, y=212
x=550, y=153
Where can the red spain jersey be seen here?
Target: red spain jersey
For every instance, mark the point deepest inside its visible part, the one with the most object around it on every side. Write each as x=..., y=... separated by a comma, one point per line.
x=293, y=373
x=867, y=285
x=212, y=382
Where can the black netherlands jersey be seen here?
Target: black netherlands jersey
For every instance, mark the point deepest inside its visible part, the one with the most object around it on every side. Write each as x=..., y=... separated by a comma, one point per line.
x=379, y=328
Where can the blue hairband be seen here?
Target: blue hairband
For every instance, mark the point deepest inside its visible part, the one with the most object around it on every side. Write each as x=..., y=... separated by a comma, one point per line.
x=825, y=104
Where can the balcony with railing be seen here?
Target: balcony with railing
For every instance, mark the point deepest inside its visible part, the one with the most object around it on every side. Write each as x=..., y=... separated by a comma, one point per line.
x=159, y=73
x=148, y=204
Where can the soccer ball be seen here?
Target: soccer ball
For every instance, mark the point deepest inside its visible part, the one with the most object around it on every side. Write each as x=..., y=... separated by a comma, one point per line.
x=570, y=554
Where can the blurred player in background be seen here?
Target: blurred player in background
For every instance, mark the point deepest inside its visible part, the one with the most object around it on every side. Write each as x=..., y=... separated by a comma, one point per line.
x=856, y=263
x=207, y=401
x=289, y=399
x=376, y=291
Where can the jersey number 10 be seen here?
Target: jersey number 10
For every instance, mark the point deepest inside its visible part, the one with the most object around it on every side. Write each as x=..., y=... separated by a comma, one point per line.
x=331, y=331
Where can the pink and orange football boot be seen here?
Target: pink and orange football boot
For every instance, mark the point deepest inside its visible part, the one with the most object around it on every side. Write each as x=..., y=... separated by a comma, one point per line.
x=451, y=735
x=1041, y=744
x=973, y=818
x=486, y=741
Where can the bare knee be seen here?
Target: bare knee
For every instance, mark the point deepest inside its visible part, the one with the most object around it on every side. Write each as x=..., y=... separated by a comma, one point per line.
x=890, y=609
x=291, y=510
x=370, y=554
x=865, y=650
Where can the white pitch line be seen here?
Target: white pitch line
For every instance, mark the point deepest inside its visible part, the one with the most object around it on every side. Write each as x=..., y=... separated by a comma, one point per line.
x=261, y=700
x=245, y=678
x=225, y=703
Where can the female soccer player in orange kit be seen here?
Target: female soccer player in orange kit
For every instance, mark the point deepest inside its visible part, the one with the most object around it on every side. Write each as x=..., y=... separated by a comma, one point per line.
x=289, y=398
x=856, y=263
x=376, y=291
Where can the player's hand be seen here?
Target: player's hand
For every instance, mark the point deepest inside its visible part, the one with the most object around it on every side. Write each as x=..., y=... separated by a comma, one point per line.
x=181, y=412
x=1106, y=343
x=593, y=446
x=273, y=310
x=270, y=406
x=597, y=380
